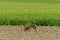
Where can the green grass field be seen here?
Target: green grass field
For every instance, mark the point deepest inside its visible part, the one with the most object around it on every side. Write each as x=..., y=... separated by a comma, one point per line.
x=22, y=12
x=32, y=1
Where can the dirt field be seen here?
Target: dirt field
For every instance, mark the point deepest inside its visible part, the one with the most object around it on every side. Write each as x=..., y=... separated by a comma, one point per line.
x=18, y=33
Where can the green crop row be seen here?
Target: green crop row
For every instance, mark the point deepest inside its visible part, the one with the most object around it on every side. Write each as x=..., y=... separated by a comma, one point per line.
x=32, y=1
x=30, y=13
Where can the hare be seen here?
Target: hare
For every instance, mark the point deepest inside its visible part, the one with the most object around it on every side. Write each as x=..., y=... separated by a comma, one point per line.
x=29, y=27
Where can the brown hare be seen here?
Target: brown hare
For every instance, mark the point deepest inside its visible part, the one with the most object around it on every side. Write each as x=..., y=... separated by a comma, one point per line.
x=29, y=27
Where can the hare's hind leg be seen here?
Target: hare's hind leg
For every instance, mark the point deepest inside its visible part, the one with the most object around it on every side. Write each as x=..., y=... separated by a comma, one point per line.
x=35, y=28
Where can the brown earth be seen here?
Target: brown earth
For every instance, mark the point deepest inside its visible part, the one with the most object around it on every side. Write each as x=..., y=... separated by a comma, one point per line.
x=18, y=33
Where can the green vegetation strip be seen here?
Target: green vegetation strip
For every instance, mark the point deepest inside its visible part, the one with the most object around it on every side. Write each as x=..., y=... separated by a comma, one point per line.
x=44, y=14
x=32, y=1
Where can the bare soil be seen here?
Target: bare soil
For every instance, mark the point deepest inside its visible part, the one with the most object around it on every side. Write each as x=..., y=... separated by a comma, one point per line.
x=18, y=33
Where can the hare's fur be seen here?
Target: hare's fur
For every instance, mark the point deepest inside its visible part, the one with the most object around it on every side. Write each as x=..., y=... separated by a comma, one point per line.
x=29, y=27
